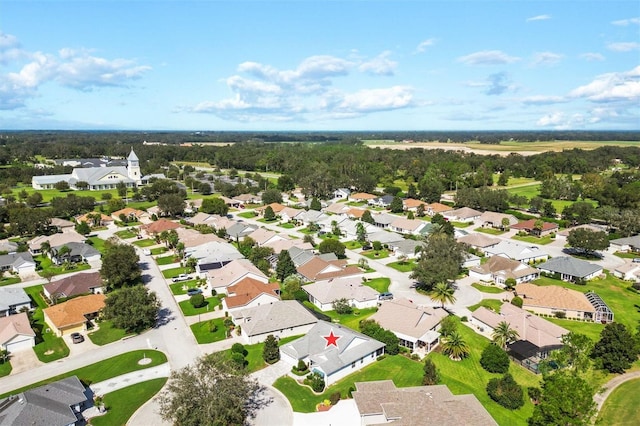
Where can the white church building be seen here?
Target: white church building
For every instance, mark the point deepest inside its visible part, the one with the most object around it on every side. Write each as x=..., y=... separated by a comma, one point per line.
x=97, y=178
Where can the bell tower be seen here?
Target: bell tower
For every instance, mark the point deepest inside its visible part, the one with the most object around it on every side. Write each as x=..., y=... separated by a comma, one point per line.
x=133, y=167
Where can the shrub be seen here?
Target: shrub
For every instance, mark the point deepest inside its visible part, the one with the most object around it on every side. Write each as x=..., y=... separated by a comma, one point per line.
x=350, y=392
x=238, y=348
x=415, y=357
x=197, y=301
x=213, y=327
x=342, y=306
x=506, y=392
x=213, y=292
x=448, y=326
x=239, y=359
x=534, y=394
x=517, y=301
x=494, y=359
x=316, y=381
x=559, y=314
x=431, y=376
x=381, y=357
x=464, y=319
x=271, y=351
x=334, y=398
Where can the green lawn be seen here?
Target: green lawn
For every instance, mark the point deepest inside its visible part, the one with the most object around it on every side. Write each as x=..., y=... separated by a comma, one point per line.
x=9, y=280
x=615, y=293
x=5, y=368
x=188, y=309
x=97, y=243
x=492, y=304
x=490, y=231
x=487, y=288
x=202, y=333
x=121, y=404
x=49, y=347
x=626, y=255
x=621, y=408
x=107, y=333
x=106, y=369
x=47, y=265
x=534, y=240
x=125, y=234
x=590, y=329
x=348, y=320
x=145, y=243
x=167, y=260
x=353, y=245
x=158, y=250
x=181, y=287
x=403, y=266
x=174, y=272
x=49, y=194
x=254, y=358
x=461, y=224
x=373, y=254
x=286, y=225
x=381, y=285
x=247, y=215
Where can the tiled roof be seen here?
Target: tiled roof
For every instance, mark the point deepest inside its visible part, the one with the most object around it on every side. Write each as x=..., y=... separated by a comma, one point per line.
x=160, y=226
x=73, y=311
x=554, y=297
x=248, y=289
x=75, y=284
x=14, y=325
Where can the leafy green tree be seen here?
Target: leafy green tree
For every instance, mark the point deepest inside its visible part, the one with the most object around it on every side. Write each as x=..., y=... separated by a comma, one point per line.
x=61, y=186
x=494, y=359
x=396, y=205
x=615, y=351
x=575, y=352
x=431, y=376
x=197, y=301
x=372, y=329
x=331, y=245
x=503, y=179
x=361, y=233
x=548, y=209
x=566, y=399
x=503, y=334
x=133, y=309
x=291, y=287
x=122, y=189
x=455, y=347
x=82, y=185
x=286, y=183
x=82, y=228
x=442, y=293
x=439, y=262
x=448, y=325
x=579, y=213
x=269, y=214
x=34, y=199
x=120, y=265
x=226, y=394
x=271, y=351
x=510, y=283
x=506, y=392
x=342, y=306
x=271, y=196
x=285, y=266
x=315, y=204
x=214, y=206
x=366, y=217
x=171, y=204
x=587, y=240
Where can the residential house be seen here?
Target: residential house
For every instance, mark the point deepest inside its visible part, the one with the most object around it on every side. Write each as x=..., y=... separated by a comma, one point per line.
x=408, y=248
x=571, y=269
x=262, y=236
x=499, y=269
x=537, y=337
x=342, y=193
x=279, y=245
x=248, y=199
x=628, y=271
x=74, y=285
x=249, y=292
x=95, y=219
x=311, y=216
x=233, y=203
x=327, y=224
x=437, y=208
x=74, y=314
x=355, y=213
x=361, y=197
x=21, y=263
x=382, y=202
x=239, y=230
x=59, y=403
x=191, y=206
x=332, y=350
x=212, y=255
x=409, y=204
x=276, y=207
x=626, y=244
x=62, y=224
x=557, y=300
x=415, y=326
x=289, y=214
x=202, y=219
x=159, y=226
x=8, y=247
x=319, y=269
x=13, y=300
x=324, y=292
x=381, y=402
x=349, y=228
x=478, y=241
x=463, y=214
x=193, y=238
x=383, y=220
x=589, y=227
x=497, y=220
x=281, y=319
x=409, y=226
x=54, y=240
x=471, y=260
x=530, y=227
x=131, y=215
x=385, y=237
x=516, y=251
x=337, y=208
x=78, y=252
x=16, y=334
x=232, y=273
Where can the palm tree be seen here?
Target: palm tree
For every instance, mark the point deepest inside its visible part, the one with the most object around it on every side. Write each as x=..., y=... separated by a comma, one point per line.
x=504, y=334
x=455, y=346
x=45, y=248
x=443, y=293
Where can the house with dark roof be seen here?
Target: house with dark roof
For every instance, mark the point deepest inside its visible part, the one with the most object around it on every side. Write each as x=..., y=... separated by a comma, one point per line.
x=383, y=202
x=78, y=252
x=381, y=402
x=21, y=263
x=55, y=404
x=74, y=285
x=13, y=300
x=531, y=227
x=16, y=333
x=282, y=318
x=212, y=255
x=332, y=350
x=626, y=244
x=571, y=269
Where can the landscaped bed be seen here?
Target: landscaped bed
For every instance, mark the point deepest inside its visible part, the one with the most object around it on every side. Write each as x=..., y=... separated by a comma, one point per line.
x=203, y=334
x=121, y=404
x=406, y=266
x=188, y=309
x=47, y=266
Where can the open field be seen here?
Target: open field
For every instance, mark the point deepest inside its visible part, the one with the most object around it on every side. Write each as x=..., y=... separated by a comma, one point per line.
x=504, y=148
x=621, y=408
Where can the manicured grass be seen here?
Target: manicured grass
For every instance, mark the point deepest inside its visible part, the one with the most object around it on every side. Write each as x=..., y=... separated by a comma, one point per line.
x=254, y=358
x=158, y=250
x=490, y=231
x=492, y=304
x=49, y=347
x=121, y=404
x=174, y=272
x=286, y=225
x=5, y=368
x=49, y=194
x=403, y=266
x=167, y=260
x=247, y=215
x=97, y=243
x=47, y=265
x=371, y=254
x=461, y=224
x=621, y=408
x=534, y=240
x=145, y=243
x=487, y=288
x=615, y=293
x=125, y=234
x=381, y=285
x=590, y=329
x=351, y=320
x=353, y=245
x=626, y=255
x=181, y=287
x=188, y=309
x=107, y=333
x=202, y=334
x=106, y=369
x=9, y=280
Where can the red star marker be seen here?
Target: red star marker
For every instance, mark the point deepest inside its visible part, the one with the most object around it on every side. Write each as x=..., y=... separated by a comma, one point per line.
x=331, y=339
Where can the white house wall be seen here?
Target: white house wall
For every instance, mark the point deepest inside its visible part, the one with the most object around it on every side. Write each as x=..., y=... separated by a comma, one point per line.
x=280, y=334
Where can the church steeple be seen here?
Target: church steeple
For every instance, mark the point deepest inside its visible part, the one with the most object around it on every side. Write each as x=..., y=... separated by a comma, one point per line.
x=133, y=167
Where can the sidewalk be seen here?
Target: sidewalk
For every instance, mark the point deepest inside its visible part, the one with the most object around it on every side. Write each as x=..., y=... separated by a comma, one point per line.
x=129, y=379
x=611, y=385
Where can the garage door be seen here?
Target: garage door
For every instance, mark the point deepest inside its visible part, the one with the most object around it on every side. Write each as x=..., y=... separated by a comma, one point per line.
x=19, y=344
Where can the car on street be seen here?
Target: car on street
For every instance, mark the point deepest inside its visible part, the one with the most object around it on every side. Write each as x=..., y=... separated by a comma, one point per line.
x=193, y=291
x=636, y=260
x=181, y=277
x=77, y=338
x=146, y=252
x=385, y=296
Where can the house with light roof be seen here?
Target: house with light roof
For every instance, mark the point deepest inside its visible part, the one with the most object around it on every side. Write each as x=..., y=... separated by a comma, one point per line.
x=232, y=273
x=324, y=292
x=516, y=251
x=16, y=333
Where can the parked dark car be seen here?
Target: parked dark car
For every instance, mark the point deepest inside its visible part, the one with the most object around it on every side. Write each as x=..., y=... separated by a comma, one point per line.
x=193, y=291
x=77, y=338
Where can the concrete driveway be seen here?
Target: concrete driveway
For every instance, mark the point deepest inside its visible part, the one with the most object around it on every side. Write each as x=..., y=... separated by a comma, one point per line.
x=24, y=361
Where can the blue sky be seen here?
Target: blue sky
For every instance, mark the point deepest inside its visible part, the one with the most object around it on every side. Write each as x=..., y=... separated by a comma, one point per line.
x=320, y=65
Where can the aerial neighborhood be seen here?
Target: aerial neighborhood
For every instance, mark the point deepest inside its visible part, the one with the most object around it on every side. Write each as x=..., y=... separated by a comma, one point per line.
x=411, y=286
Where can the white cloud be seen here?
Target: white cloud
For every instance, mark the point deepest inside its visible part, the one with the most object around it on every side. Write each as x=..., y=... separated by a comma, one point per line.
x=623, y=46
x=543, y=100
x=561, y=121
x=488, y=57
x=617, y=86
x=546, y=58
x=377, y=99
x=539, y=18
x=592, y=56
x=380, y=65
x=625, y=22
x=495, y=84
x=422, y=47
x=9, y=48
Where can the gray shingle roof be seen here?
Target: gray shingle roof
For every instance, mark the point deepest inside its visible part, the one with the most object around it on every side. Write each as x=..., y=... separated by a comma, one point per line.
x=274, y=317
x=12, y=297
x=570, y=266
